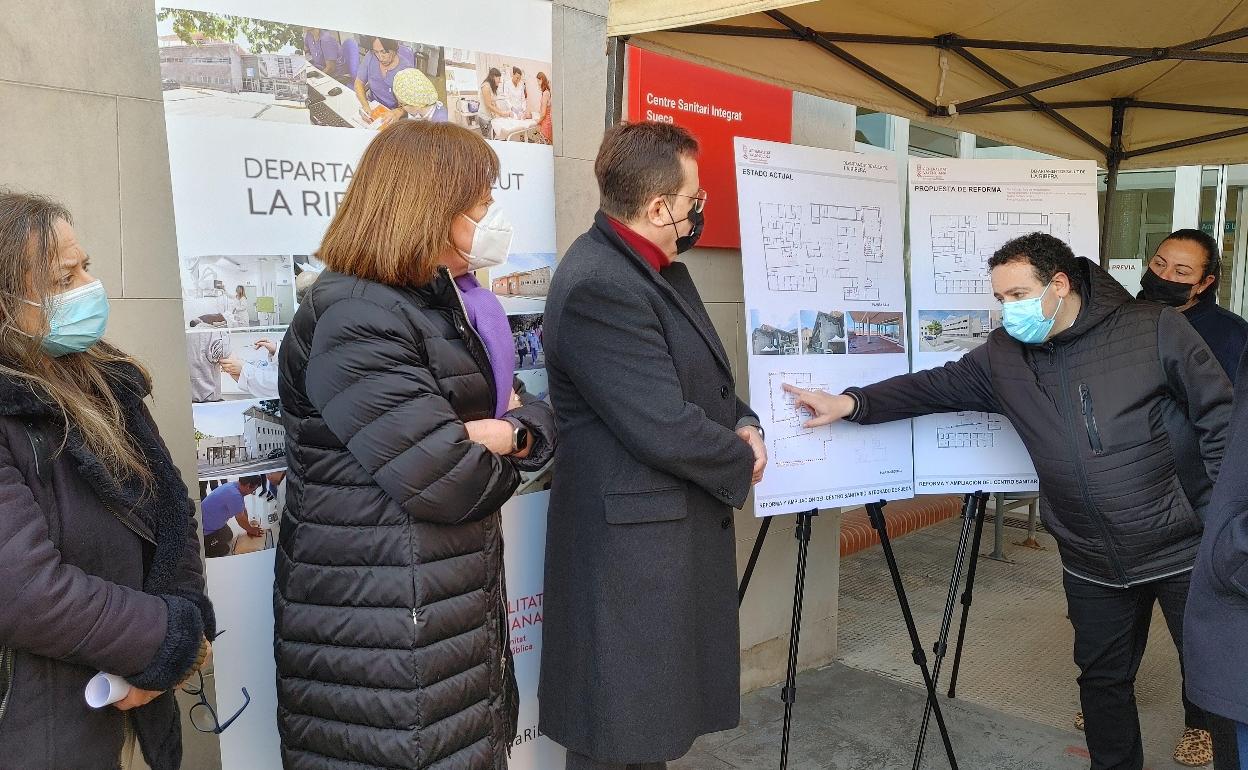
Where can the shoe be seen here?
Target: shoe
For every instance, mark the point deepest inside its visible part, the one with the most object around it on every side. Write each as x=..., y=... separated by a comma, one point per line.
x=1195, y=748
x=1079, y=725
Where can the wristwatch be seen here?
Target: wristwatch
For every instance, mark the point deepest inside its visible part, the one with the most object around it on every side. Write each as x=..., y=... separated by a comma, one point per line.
x=519, y=437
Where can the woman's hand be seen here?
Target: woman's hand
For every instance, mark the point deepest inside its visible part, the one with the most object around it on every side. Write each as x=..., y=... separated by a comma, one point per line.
x=513, y=401
x=494, y=435
x=136, y=698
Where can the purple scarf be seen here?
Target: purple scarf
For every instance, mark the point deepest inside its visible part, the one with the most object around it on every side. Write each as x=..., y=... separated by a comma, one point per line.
x=487, y=316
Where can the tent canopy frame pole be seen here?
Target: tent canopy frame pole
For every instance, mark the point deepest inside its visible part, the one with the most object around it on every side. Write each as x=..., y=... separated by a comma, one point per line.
x=1113, y=154
x=1175, y=53
x=616, y=55
x=1189, y=51
x=1113, y=160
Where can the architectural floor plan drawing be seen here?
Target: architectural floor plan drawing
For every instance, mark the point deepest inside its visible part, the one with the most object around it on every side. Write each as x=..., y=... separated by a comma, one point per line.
x=968, y=430
x=791, y=443
x=963, y=243
x=817, y=247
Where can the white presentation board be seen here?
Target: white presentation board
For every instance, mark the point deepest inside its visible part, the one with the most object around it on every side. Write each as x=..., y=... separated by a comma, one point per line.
x=961, y=212
x=825, y=306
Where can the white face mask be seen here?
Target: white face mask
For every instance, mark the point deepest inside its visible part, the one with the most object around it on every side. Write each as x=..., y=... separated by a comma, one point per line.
x=491, y=243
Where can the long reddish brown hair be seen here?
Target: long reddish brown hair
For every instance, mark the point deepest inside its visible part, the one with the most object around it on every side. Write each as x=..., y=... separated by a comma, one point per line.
x=415, y=178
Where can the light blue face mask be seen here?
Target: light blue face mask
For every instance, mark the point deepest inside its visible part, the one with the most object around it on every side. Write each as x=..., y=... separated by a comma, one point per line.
x=1024, y=319
x=77, y=319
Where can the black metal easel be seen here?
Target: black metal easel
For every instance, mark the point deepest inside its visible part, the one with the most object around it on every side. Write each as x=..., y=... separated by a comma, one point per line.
x=875, y=511
x=805, y=524
x=966, y=596
x=973, y=507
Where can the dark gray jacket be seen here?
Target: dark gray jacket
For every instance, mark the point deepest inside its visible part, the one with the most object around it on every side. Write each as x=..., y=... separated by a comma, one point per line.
x=390, y=606
x=1124, y=415
x=1215, y=624
x=640, y=650
x=94, y=576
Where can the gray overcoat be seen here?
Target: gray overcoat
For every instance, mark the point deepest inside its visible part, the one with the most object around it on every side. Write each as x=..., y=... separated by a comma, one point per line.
x=641, y=647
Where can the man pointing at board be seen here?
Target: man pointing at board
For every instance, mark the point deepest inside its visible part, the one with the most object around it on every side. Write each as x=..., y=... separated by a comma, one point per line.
x=1124, y=412
x=640, y=650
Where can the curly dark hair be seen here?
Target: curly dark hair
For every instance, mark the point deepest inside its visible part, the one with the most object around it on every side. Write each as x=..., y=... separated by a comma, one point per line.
x=1046, y=254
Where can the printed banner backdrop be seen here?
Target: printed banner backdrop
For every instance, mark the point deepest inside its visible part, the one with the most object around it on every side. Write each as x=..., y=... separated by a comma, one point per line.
x=267, y=116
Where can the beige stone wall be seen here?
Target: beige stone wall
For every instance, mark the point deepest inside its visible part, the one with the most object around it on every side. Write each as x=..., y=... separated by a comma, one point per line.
x=82, y=121
x=579, y=85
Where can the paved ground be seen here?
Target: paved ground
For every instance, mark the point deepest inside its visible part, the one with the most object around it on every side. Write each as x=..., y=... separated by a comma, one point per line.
x=1017, y=692
x=944, y=344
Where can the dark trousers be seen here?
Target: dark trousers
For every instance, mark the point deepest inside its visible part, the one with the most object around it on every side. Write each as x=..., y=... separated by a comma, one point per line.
x=582, y=762
x=1111, y=632
x=1230, y=743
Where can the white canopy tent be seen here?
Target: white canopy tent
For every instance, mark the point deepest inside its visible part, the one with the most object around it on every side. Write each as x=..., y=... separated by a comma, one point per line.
x=1132, y=85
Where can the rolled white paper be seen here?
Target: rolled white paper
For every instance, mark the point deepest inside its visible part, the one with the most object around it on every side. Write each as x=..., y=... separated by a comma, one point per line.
x=105, y=689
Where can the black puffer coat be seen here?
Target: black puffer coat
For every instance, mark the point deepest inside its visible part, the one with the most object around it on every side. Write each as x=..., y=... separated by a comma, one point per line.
x=391, y=639
x=1124, y=414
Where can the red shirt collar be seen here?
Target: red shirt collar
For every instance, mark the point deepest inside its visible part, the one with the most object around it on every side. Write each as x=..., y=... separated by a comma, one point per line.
x=645, y=247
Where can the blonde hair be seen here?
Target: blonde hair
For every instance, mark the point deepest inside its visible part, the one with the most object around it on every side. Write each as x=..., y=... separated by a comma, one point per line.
x=415, y=178
x=77, y=384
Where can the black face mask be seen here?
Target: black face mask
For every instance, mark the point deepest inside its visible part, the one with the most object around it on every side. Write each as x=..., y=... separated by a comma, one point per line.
x=697, y=222
x=1158, y=289
x=686, y=242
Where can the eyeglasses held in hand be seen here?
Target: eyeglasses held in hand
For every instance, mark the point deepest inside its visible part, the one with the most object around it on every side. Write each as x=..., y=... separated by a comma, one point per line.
x=203, y=715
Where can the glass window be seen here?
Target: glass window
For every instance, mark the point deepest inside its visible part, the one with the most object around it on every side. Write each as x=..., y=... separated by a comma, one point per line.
x=871, y=128
x=933, y=141
x=1209, y=205
x=1143, y=209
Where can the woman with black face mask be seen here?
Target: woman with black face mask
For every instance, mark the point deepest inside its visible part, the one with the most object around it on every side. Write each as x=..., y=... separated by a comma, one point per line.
x=1184, y=274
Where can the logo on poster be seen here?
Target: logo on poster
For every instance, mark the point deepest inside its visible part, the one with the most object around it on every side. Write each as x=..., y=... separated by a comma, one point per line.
x=758, y=155
x=928, y=171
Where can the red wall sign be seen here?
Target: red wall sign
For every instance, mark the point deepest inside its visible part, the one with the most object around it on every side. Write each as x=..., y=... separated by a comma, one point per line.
x=715, y=107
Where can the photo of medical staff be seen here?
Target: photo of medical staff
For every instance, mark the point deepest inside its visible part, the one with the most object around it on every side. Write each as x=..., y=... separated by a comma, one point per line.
x=397, y=80
x=241, y=514
x=215, y=65
x=526, y=334
x=228, y=366
x=503, y=97
x=249, y=368
x=238, y=292
x=239, y=438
